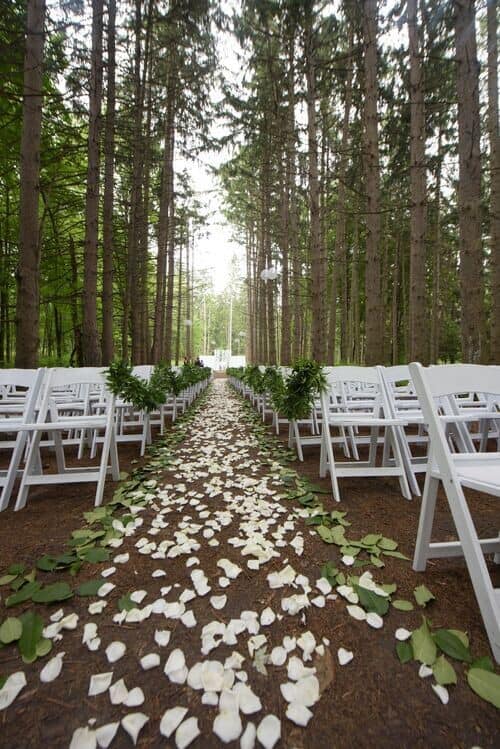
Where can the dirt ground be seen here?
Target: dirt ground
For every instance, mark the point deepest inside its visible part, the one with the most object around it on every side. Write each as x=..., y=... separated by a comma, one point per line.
x=372, y=702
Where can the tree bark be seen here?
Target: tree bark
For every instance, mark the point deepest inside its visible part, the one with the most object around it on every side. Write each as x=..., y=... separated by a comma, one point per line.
x=90, y=336
x=419, y=350
x=28, y=272
x=494, y=138
x=107, y=218
x=373, y=301
x=318, y=255
x=469, y=184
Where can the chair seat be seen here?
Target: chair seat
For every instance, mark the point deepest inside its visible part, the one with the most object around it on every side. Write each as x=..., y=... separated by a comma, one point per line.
x=76, y=422
x=480, y=471
x=349, y=419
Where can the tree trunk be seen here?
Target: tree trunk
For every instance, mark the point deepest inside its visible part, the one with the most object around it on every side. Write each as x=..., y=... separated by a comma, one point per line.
x=318, y=255
x=494, y=138
x=469, y=184
x=169, y=304
x=163, y=225
x=107, y=219
x=373, y=301
x=340, y=257
x=27, y=308
x=436, y=263
x=419, y=350
x=90, y=336
x=179, y=308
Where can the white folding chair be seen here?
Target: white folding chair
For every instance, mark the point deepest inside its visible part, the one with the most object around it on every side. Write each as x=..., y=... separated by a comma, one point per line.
x=54, y=423
x=456, y=471
x=19, y=391
x=369, y=410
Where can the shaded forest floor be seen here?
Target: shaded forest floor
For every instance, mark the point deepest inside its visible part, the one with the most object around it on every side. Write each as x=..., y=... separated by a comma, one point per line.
x=371, y=701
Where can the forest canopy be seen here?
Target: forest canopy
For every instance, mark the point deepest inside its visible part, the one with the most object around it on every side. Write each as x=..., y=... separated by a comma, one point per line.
x=359, y=170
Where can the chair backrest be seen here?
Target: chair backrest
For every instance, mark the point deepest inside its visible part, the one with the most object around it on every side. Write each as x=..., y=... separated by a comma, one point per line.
x=143, y=371
x=434, y=384
x=397, y=373
x=58, y=378
x=30, y=380
x=359, y=375
x=452, y=379
x=13, y=378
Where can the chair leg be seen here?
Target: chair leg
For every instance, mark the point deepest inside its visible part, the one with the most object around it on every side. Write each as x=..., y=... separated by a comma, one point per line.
x=298, y=444
x=103, y=468
x=10, y=478
x=425, y=522
x=398, y=460
x=329, y=462
x=113, y=452
x=29, y=470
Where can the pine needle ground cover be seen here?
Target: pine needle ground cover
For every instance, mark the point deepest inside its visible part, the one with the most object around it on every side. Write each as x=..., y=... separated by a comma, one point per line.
x=214, y=532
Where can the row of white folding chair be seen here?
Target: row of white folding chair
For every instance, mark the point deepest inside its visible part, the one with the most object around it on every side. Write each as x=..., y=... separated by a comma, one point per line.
x=43, y=415
x=458, y=412
x=456, y=471
x=15, y=411
x=370, y=411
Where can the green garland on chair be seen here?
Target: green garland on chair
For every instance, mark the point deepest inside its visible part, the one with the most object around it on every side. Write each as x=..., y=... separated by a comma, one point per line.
x=147, y=396
x=293, y=396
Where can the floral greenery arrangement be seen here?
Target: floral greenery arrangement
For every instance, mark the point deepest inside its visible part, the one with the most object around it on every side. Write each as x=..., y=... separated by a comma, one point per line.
x=292, y=396
x=305, y=382
x=146, y=396
x=275, y=386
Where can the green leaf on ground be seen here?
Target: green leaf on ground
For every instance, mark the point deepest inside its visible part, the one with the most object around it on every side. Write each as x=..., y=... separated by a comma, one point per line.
x=376, y=561
x=325, y=534
x=10, y=630
x=31, y=635
x=424, y=647
x=96, y=555
x=90, y=587
x=485, y=684
x=46, y=563
x=387, y=544
x=371, y=601
x=449, y=643
x=485, y=663
x=6, y=579
x=402, y=605
x=404, y=651
x=396, y=555
x=443, y=671
x=16, y=569
x=43, y=647
x=23, y=595
x=52, y=593
x=423, y=595
x=371, y=539
x=125, y=603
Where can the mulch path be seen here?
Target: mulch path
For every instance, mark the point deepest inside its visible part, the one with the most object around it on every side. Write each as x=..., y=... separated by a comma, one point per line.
x=372, y=701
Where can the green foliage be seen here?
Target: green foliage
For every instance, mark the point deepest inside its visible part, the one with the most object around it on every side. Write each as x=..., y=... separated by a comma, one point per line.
x=147, y=396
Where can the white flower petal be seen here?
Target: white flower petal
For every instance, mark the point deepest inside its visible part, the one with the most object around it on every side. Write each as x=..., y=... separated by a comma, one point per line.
x=83, y=738
x=171, y=719
x=105, y=734
x=187, y=733
x=52, y=668
x=151, y=660
x=247, y=741
x=162, y=637
x=133, y=724
x=100, y=683
x=298, y=714
x=441, y=692
x=14, y=684
x=344, y=656
x=115, y=651
x=269, y=731
x=402, y=634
